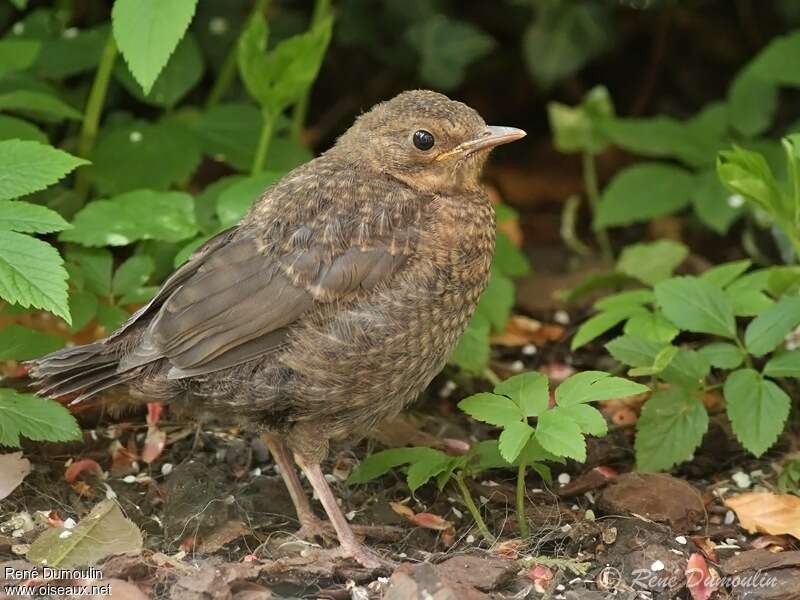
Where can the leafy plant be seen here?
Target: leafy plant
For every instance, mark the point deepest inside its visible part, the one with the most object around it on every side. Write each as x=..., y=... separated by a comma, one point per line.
x=558, y=433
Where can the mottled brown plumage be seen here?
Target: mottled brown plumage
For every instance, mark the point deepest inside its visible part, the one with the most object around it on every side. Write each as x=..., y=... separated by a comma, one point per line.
x=331, y=305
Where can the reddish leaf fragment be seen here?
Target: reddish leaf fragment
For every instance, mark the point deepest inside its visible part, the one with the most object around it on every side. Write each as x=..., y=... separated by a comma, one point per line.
x=154, y=444
x=154, y=412
x=431, y=521
x=79, y=467
x=701, y=581
x=541, y=577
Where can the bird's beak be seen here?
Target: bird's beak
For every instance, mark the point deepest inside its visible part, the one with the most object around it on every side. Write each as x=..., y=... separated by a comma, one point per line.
x=492, y=136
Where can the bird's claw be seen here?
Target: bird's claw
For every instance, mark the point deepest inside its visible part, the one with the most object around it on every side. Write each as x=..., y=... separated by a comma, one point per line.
x=365, y=557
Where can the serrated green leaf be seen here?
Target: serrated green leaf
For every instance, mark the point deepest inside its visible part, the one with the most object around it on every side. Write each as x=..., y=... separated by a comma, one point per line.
x=642, y=192
x=147, y=33
x=602, y=322
x=589, y=419
x=22, y=343
x=652, y=261
x=687, y=368
x=380, y=463
x=784, y=364
x=32, y=274
x=236, y=200
x=513, y=439
x=39, y=105
x=748, y=174
x=725, y=274
x=558, y=433
x=497, y=300
x=35, y=418
x=138, y=154
x=132, y=274
x=27, y=167
x=627, y=298
x=428, y=466
x=17, y=54
x=696, y=305
x=25, y=217
x=446, y=48
x=229, y=133
x=139, y=215
x=95, y=265
x=593, y=386
x=768, y=330
x=757, y=408
x=533, y=452
x=492, y=409
x=579, y=128
x=528, y=390
x=661, y=361
x=472, y=350
x=722, y=355
x=651, y=326
x=670, y=428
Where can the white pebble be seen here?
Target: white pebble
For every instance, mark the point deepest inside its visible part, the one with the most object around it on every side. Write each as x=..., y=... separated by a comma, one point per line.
x=17, y=533
x=566, y=528
x=166, y=468
x=470, y=538
x=457, y=512
x=735, y=201
x=730, y=517
x=135, y=137
x=732, y=542
x=681, y=540
x=561, y=317
x=71, y=33
x=564, y=478
x=447, y=389
x=330, y=478
x=218, y=25
x=657, y=566
x=529, y=349
x=742, y=480
x=256, y=472
x=69, y=523
x=351, y=515
x=560, y=588
x=65, y=534
x=18, y=28
x=517, y=366
x=483, y=499
x=110, y=493
x=129, y=479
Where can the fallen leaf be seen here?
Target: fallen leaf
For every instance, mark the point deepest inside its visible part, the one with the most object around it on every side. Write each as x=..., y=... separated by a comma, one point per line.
x=103, y=532
x=542, y=578
x=701, y=581
x=707, y=546
x=778, y=542
x=224, y=534
x=764, y=512
x=80, y=466
x=431, y=521
x=402, y=510
x=13, y=469
x=122, y=460
x=154, y=444
x=521, y=330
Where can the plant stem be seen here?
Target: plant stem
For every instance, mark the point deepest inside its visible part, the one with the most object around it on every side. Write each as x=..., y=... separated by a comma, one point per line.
x=229, y=67
x=522, y=520
x=321, y=10
x=263, y=141
x=94, y=110
x=491, y=376
x=473, y=510
x=593, y=193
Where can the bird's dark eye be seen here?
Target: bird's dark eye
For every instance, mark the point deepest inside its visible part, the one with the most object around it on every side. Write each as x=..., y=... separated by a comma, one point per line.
x=423, y=139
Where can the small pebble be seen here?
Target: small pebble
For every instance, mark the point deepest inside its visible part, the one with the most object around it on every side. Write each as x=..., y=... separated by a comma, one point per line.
x=256, y=472
x=218, y=25
x=560, y=588
x=470, y=539
x=735, y=201
x=17, y=533
x=457, y=513
x=681, y=540
x=657, y=566
x=69, y=523
x=129, y=479
x=483, y=499
x=71, y=33
x=730, y=517
x=166, y=469
x=517, y=366
x=351, y=515
x=65, y=534
x=135, y=137
x=566, y=528
x=329, y=477
x=561, y=317
x=731, y=541
x=757, y=474
x=447, y=389
x=564, y=478
x=742, y=480
x=529, y=350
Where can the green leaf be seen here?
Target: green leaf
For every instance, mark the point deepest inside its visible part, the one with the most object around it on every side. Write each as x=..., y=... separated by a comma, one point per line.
x=71, y=52
x=558, y=433
x=513, y=439
x=687, y=368
x=624, y=299
x=34, y=418
x=17, y=54
x=593, y=386
x=748, y=303
x=40, y=105
x=670, y=428
x=651, y=326
x=181, y=74
x=472, y=350
x=653, y=261
x=696, y=305
x=139, y=155
x=236, y=200
x=725, y=274
x=643, y=192
x=564, y=37
x=132, y=274
x=603, y=322
x=29, y=218
x=110, y=316
x=281, y=76
x=82, y=308
x=446, y=48
x=747, y=173
x=426, y=467
x=508, y=259
x=95, y=265
x=12, y=128
x=492, y=409
x=757, y=408
x=147, y=33
x=497, y=301
x=21, y=343
x=784, y=364
x=380, y=463
x=533, y=452
x=529, y=390
x=722, y=355
x=578, y=129
x=32, y=274
x=27, y=167
x=229, y=133
x=589, y=419
x=710, y=201
x=139, y=215
x=661, y=361
x=768, y=330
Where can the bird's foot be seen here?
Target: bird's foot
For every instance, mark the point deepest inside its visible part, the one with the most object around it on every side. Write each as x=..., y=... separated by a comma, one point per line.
x=363, y=556
x=313, y=529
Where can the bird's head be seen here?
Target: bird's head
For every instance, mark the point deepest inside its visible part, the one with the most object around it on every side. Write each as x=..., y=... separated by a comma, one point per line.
x=431, y=143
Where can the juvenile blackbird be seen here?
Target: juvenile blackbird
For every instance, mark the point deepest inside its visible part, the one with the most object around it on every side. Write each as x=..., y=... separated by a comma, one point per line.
x=329, y=307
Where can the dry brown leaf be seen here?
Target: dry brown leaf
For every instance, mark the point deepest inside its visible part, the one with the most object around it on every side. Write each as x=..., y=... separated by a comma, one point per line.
x=13, y=469
x=431, y=521
x=521, y=330
x=402, y=510
x=763, y=512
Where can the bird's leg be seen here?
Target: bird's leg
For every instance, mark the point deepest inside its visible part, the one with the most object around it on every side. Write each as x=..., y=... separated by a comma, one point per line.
x=311, y=526
x=350, y=547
